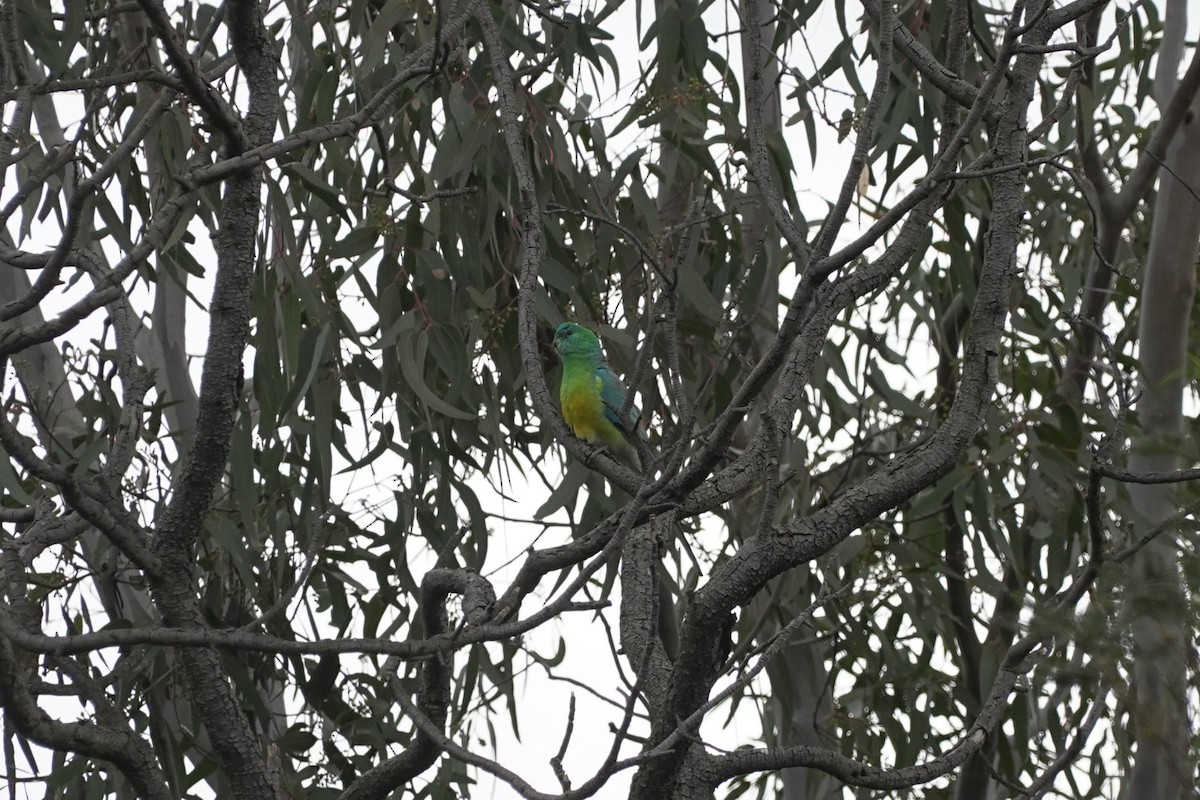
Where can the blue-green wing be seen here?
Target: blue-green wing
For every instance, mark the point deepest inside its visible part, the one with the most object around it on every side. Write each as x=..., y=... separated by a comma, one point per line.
x=612, y=392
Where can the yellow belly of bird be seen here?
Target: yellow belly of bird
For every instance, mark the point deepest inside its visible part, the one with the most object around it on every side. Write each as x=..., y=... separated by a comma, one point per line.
x=581, y=410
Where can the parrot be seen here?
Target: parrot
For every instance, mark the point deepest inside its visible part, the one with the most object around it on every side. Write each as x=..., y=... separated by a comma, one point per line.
x=592, y=396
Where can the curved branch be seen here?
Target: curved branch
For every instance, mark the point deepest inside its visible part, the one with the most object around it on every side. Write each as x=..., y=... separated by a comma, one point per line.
x=110, y=738
x=478, y=598
x=82, y=195
x=14, y=339
x=1114, y=219
x=763, y=557
x=92, y=505
x=866, y=134
x=926, y=63
x=814, y=274
x=1042, y=785
x=122, y=747
x=529, y=231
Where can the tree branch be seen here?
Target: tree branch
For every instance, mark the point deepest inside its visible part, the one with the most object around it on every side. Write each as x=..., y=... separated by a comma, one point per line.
x=236, y=747
x=763, y=557
x=433, y=705
x=945, y=79
x=214, y=106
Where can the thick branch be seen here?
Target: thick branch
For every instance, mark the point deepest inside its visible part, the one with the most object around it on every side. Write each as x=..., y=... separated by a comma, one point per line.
x=434, y=701
x=764, y=557
x=945, y=79
x=111, y=738
x=857, y=773
x=237, y=749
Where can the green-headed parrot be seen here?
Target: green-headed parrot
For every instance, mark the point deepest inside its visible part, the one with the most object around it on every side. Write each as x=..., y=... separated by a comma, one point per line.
x=592, y=396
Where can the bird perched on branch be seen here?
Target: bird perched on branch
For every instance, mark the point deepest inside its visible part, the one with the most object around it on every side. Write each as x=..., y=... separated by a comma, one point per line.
x=592, y=396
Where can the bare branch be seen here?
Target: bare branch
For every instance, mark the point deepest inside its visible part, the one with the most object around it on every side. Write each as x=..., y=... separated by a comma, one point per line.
x=556, y=761
x=1128, y=476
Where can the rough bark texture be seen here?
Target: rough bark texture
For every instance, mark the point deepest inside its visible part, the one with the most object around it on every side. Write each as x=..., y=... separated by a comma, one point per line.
x=806, y=719
x=435, y=695
x=734, y=458
x=237, y=749
x=763, y=557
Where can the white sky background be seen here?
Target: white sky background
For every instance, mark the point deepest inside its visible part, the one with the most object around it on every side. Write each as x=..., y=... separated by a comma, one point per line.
x=589, y=659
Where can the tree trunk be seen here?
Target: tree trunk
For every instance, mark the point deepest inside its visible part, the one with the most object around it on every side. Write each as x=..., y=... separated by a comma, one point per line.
x=1157, y=598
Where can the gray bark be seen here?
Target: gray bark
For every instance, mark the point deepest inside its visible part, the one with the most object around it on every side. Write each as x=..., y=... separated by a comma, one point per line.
x=801, y=719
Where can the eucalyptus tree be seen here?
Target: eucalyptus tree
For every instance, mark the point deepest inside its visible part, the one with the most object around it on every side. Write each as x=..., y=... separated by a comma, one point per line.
x=288, y=509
